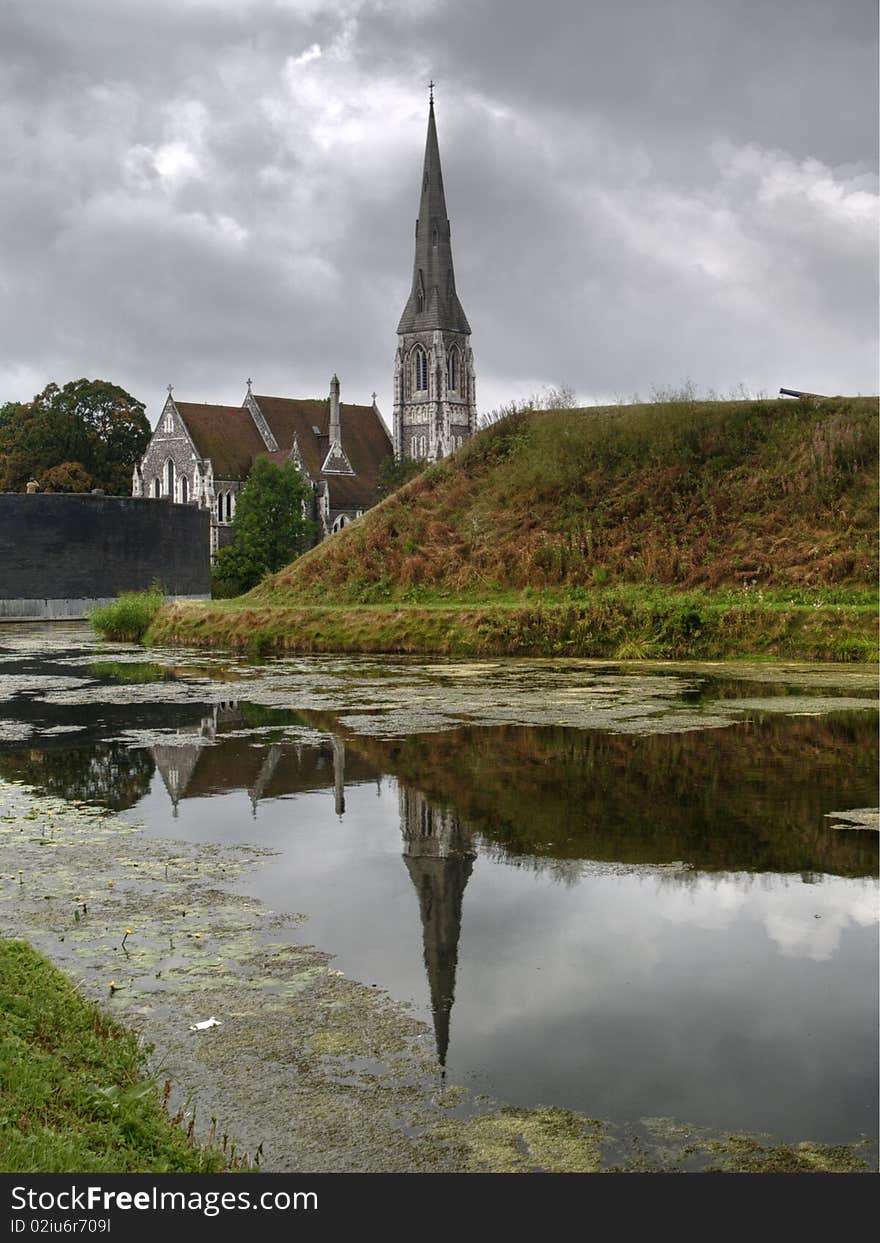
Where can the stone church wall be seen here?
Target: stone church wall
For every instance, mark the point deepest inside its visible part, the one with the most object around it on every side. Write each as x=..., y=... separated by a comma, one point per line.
x=60, y=555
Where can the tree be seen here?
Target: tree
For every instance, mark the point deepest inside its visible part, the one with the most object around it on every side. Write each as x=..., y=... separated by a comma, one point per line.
x=68, y=477
x=94, y=423
x=393, y=475
x=270, y=525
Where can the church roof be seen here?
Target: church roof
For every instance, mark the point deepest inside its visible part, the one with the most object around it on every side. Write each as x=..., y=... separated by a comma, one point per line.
x=228, y=436
x=364, y=438
x=433, y=276
x=225, y=434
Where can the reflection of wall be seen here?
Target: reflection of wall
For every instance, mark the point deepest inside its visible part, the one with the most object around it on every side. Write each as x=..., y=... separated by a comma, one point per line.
x=439, y=856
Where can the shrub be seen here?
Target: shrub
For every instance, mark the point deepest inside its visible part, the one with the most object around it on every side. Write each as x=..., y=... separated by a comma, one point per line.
x=129, y=616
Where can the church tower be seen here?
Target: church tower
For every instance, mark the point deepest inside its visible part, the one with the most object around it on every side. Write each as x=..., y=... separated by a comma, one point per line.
x=434, y=392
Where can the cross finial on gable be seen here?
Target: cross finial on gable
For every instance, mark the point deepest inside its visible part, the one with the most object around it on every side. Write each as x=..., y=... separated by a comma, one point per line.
x=374, y=399
x=249, y=383
x=170, y=389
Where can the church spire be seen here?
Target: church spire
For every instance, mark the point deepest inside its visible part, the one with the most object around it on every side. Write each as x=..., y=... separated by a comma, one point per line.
x=433, y=302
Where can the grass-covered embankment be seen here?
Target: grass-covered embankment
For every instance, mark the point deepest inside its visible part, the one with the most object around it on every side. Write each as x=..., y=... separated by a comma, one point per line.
x=72, y=1089
x=616, y=623
x=692, y=529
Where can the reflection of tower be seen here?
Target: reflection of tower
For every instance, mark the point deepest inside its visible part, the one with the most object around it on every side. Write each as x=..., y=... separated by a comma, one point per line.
x=338, y=773
x=439, y=855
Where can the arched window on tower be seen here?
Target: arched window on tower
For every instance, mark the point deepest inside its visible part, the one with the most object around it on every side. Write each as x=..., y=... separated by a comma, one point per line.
x=169, y=478
x=420, y=369
x=453, y=367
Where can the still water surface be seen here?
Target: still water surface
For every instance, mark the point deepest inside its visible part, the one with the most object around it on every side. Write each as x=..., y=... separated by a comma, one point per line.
x=641, y=911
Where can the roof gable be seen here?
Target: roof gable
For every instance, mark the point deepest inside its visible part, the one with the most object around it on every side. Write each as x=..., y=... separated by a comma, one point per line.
x=365, y=441
x=225, y=434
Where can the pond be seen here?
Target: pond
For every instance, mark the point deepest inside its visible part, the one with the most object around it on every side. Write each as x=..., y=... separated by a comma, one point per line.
x=634, y=891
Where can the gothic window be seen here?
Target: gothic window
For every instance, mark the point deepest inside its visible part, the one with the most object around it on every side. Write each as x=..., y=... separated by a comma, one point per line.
x=157, y=487
x=219, y=506
x=184, y=489
x=169, y=478
x=228, y=506
x=420, y=369
x=452, y=366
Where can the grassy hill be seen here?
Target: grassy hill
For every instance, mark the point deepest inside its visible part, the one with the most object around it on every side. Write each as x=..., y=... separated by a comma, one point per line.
x=748, y=507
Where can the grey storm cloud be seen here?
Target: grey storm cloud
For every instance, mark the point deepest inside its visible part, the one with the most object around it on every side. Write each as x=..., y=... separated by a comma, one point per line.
x=642, y=191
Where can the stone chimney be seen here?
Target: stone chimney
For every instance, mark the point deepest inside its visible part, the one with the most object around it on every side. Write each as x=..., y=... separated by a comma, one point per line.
x=335, y=463
x=335, y=430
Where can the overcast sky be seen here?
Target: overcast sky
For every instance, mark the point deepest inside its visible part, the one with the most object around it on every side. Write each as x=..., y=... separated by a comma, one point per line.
x=641, y=191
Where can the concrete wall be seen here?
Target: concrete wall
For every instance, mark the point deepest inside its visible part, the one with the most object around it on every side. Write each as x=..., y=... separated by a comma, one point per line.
x=60, y=555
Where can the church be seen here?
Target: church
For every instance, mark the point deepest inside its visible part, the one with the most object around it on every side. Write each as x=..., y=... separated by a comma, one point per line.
x=201, y=454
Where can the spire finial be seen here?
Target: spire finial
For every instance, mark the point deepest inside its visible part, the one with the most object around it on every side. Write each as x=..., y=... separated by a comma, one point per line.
x=431, y=91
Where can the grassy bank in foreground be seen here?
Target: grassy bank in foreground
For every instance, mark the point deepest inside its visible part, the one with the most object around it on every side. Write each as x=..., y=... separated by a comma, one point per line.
x=620, y=623
x=72, y=1092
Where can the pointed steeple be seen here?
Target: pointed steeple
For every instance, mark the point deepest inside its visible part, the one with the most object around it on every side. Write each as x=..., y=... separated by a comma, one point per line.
x=433, y=302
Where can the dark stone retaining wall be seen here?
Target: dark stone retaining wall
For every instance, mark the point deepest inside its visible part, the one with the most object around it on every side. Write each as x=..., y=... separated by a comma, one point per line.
x=60, y=555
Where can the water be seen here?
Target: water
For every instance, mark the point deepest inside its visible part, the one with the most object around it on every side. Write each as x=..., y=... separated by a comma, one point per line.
x=613, y=890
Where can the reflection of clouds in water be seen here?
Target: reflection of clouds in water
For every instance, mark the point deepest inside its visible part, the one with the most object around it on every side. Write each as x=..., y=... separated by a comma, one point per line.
x=815, y=933
x=802, y=920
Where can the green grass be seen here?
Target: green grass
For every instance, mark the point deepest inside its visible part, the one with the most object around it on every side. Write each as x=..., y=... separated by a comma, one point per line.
x=622, y=623
x=73, y=1097
x=129, y=616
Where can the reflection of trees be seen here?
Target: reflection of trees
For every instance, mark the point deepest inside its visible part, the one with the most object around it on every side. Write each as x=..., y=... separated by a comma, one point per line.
x=748, y=797
x=107, y=773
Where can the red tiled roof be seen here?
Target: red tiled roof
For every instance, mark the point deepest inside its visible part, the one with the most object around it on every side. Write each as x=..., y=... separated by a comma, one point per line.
x=225, y=434
x=229, y=437
x=364, y=439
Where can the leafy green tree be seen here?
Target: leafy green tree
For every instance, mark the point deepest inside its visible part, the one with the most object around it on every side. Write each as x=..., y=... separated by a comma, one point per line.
x=93, y=423
x=393, y=475
x=270, y=526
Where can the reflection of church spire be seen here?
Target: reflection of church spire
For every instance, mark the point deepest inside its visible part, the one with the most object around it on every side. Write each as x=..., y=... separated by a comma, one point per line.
x=439, y=857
